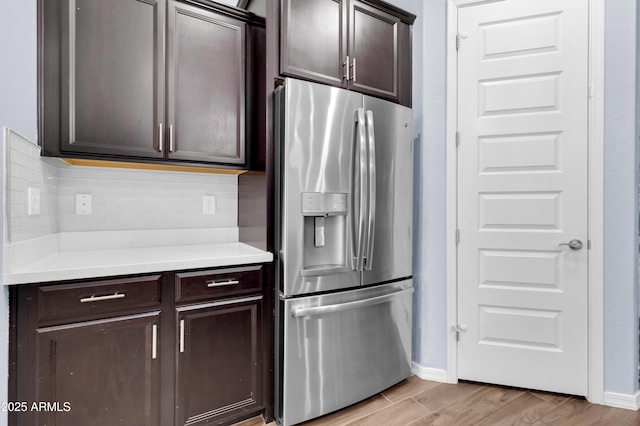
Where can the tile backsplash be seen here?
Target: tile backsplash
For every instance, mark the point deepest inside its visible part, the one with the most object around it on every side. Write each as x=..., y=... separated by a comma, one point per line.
x=25, y=169
x=142, y=199
x=122, y=199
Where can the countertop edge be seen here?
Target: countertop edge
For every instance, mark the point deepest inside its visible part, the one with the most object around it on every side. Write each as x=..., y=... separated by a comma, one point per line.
x=249, y=255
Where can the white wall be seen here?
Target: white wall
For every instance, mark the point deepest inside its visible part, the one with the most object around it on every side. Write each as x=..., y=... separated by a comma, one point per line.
x=621, y=206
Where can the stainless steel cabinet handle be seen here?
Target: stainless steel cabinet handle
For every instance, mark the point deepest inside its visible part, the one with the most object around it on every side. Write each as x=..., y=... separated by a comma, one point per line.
x=214, y=283
x=353, y=74
x=154, y=341
x=302, y=311
x=573, y=244
x=102, y=298
x=346, y=66
x=181, y=336
x=160, y=137
x=371, y=141
x=170, y=137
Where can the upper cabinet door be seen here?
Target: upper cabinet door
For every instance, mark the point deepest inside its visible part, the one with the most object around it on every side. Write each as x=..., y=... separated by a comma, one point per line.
x=206, y=86
x=374, y=45
x=362, y=45
x=112, y=102
x=314, y=40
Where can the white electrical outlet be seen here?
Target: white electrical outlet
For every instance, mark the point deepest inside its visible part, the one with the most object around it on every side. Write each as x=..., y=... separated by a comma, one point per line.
x=209, y=204
x=83, y=203
x=33, y=201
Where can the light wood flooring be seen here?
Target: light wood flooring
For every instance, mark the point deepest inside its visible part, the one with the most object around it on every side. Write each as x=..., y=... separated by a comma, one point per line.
x=416, y=402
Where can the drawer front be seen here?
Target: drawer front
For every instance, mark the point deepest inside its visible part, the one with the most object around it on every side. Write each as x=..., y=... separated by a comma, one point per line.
x=61, y=301
x=204, y=285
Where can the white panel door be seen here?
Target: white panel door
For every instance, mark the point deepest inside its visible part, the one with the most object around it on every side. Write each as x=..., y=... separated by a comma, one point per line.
x=522, y=161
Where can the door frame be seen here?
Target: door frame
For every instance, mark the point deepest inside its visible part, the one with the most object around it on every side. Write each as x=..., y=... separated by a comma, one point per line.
x=595, y=192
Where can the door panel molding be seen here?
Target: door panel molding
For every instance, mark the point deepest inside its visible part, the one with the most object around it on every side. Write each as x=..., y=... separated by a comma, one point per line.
x=595, y=194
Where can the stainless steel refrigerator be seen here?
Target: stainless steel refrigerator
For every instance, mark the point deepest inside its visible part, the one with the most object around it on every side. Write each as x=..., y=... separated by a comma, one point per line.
x=344, y=186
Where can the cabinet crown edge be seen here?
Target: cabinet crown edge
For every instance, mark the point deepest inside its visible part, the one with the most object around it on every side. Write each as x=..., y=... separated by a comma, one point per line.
x=406, y=17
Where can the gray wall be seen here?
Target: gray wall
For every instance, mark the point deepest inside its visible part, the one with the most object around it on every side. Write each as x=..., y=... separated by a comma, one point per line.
x=18, y=73
x=621, y=206
x=429, y=105
x=18, y=89
x=638, y=175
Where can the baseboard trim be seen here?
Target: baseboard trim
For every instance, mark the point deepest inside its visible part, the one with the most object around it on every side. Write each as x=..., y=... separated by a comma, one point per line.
x=622, y=400
x=611, y=399
x=426, y=373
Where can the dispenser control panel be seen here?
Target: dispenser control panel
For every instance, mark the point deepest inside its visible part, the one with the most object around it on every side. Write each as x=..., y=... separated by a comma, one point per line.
x=324, y=204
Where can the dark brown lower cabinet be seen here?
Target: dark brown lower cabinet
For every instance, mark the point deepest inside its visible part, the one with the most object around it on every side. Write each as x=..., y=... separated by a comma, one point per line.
x=99, y=373
x=218, y=370
x=175, y=348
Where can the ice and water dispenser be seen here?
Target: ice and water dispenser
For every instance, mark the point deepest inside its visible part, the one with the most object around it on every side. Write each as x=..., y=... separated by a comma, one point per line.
x=325, y=233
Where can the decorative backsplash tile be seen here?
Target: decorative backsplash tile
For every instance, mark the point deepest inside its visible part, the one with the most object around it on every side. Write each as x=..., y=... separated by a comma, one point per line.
x=142, y=199
x=122, y=199
x=25, y=169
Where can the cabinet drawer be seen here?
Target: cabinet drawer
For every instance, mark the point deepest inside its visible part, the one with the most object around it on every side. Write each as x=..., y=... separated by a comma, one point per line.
x=202, y=285
x=97, y=297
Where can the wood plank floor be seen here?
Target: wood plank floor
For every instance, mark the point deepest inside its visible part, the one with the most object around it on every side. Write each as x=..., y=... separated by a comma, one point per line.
x=416, y=402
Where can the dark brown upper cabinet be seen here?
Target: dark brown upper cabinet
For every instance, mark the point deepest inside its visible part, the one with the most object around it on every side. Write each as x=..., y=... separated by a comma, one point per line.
x=361, y=45
x=206, y=90
x=145, y=80
x=314, y=40
x=101, y=89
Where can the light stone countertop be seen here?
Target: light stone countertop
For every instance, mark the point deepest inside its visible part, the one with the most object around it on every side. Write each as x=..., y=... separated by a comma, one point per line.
x=84, y=263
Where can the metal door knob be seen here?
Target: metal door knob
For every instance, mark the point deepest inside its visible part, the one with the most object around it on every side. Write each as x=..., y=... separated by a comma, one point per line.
x=573, y=244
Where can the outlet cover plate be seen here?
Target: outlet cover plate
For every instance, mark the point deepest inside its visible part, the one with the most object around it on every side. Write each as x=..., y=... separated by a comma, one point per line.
x=33, y=201
x=209, y=204
x=83, y=203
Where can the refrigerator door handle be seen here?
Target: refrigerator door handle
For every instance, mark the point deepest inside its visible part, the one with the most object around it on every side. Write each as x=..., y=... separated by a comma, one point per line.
x=359, y=193
x=302, y=311
x=371, y=210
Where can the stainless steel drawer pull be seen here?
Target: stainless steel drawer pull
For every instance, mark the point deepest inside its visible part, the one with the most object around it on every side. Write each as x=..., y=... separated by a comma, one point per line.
x=171, y=138
x=181, y=336
x=102, y=298
x=160, y=137
x=154, y=341
x=214, y=283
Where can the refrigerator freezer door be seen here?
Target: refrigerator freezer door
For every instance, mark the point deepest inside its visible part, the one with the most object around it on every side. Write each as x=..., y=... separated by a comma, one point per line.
x=393, y=231
x=342, y=347
x=317, y=127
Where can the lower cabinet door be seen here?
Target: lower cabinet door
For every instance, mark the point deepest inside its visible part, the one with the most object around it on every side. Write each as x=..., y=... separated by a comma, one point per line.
x=218, y=364
x=99, y=373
